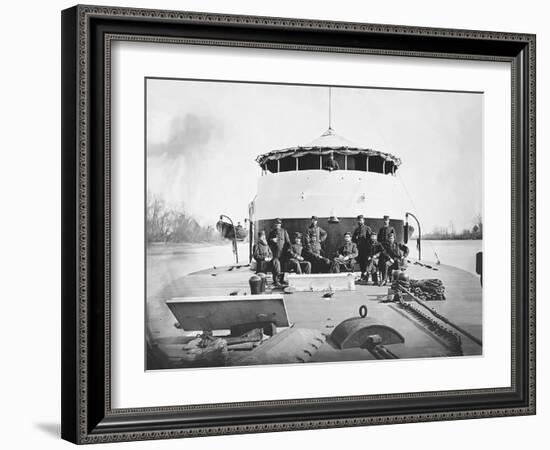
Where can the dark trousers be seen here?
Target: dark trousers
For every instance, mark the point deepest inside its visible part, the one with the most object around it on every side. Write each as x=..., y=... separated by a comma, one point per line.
x=299, y=266
x=338, y=266
x=273, y=266
x=319, y=264
x=362, y=258
x=372, y=269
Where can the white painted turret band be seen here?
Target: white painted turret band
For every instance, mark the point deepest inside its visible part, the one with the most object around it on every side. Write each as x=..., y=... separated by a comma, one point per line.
x=341, y=193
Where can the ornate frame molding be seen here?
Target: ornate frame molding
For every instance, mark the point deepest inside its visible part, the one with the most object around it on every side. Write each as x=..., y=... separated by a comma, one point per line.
x=80, y=423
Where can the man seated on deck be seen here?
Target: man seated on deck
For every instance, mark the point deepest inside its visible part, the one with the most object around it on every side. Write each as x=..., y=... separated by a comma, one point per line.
x=331, y=164
x=374, y=251
x=393, y=258
x=264, y=259
x=295, y=259
x=345, y=256
x=319, y=263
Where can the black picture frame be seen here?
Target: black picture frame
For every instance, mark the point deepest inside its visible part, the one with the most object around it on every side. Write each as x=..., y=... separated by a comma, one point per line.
x=87, y=32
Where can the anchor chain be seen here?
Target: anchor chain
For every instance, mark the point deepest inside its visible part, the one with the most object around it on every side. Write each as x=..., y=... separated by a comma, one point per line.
x=452, y=340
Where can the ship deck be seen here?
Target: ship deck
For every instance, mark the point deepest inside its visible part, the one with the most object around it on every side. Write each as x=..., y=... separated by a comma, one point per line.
x=311, y=310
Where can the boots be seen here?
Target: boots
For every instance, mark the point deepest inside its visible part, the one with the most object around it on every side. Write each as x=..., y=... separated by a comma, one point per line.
x=276, y=283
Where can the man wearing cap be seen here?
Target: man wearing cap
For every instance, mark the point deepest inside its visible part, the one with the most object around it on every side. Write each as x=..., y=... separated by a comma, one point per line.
x=314, y=230
x=278, y=241
x=345, y=256
x=264, y=258
x=331, y=164
x=385, y=231
x=295, y=259
x=374, y=252
x=361, y=237
x=319, y=264
x=393, y=258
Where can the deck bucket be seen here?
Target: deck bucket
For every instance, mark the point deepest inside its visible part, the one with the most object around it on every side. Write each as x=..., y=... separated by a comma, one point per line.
x=255, y=284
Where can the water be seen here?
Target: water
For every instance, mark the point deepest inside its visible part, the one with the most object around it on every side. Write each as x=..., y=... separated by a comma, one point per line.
x=167, y=262
x=460, y=253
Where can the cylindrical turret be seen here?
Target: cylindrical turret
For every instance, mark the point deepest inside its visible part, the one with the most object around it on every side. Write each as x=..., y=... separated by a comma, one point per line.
x=304, y=181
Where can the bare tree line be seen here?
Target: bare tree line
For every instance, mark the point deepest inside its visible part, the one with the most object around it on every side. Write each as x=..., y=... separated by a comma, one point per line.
x=449, y=232
x=173, y=224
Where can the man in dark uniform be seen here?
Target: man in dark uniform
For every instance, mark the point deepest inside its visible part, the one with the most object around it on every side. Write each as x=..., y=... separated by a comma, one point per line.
x=295, y=259
x=264, y=258
x=345, y=256
x=278, y=241
x=319, y=263
x=314, y=230
x=361, y=237
x=331, y=164
x=385, y=231
x=375, y=250
x=393, y=258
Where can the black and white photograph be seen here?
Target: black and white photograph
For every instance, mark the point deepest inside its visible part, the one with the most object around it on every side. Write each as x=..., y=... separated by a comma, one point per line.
x=281, y=222
x=290, y=224
x=275, y=225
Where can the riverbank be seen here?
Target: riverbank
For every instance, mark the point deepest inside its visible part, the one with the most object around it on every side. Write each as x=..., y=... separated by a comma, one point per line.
x=448, y=238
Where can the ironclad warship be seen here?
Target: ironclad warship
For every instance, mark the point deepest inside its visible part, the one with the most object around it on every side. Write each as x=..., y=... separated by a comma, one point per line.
x=218, y=317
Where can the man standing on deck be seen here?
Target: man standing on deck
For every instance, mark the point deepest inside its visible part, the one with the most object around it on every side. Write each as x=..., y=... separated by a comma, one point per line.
x=393, y=258
x=345, y=256
x=385, y=231
x=264, y=258
x=295, y=259
x=314, y=230
x=278, y=241
x=361, y=237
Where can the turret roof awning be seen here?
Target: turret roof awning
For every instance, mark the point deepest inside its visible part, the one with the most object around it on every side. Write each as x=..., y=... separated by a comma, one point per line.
x=328, y=142
x=331, y=139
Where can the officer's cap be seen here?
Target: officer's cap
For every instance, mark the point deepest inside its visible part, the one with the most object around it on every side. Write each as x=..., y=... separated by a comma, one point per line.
x=278, y=220
x=360, y=216
x=314, y=218
x=386, y=217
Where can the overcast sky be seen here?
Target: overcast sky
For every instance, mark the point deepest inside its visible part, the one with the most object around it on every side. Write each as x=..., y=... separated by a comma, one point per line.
x=203, y=138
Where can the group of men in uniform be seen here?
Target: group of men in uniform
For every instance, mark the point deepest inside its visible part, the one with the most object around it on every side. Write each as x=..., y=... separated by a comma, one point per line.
x=375, y=252
x=275, y=247
x=378, y=252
